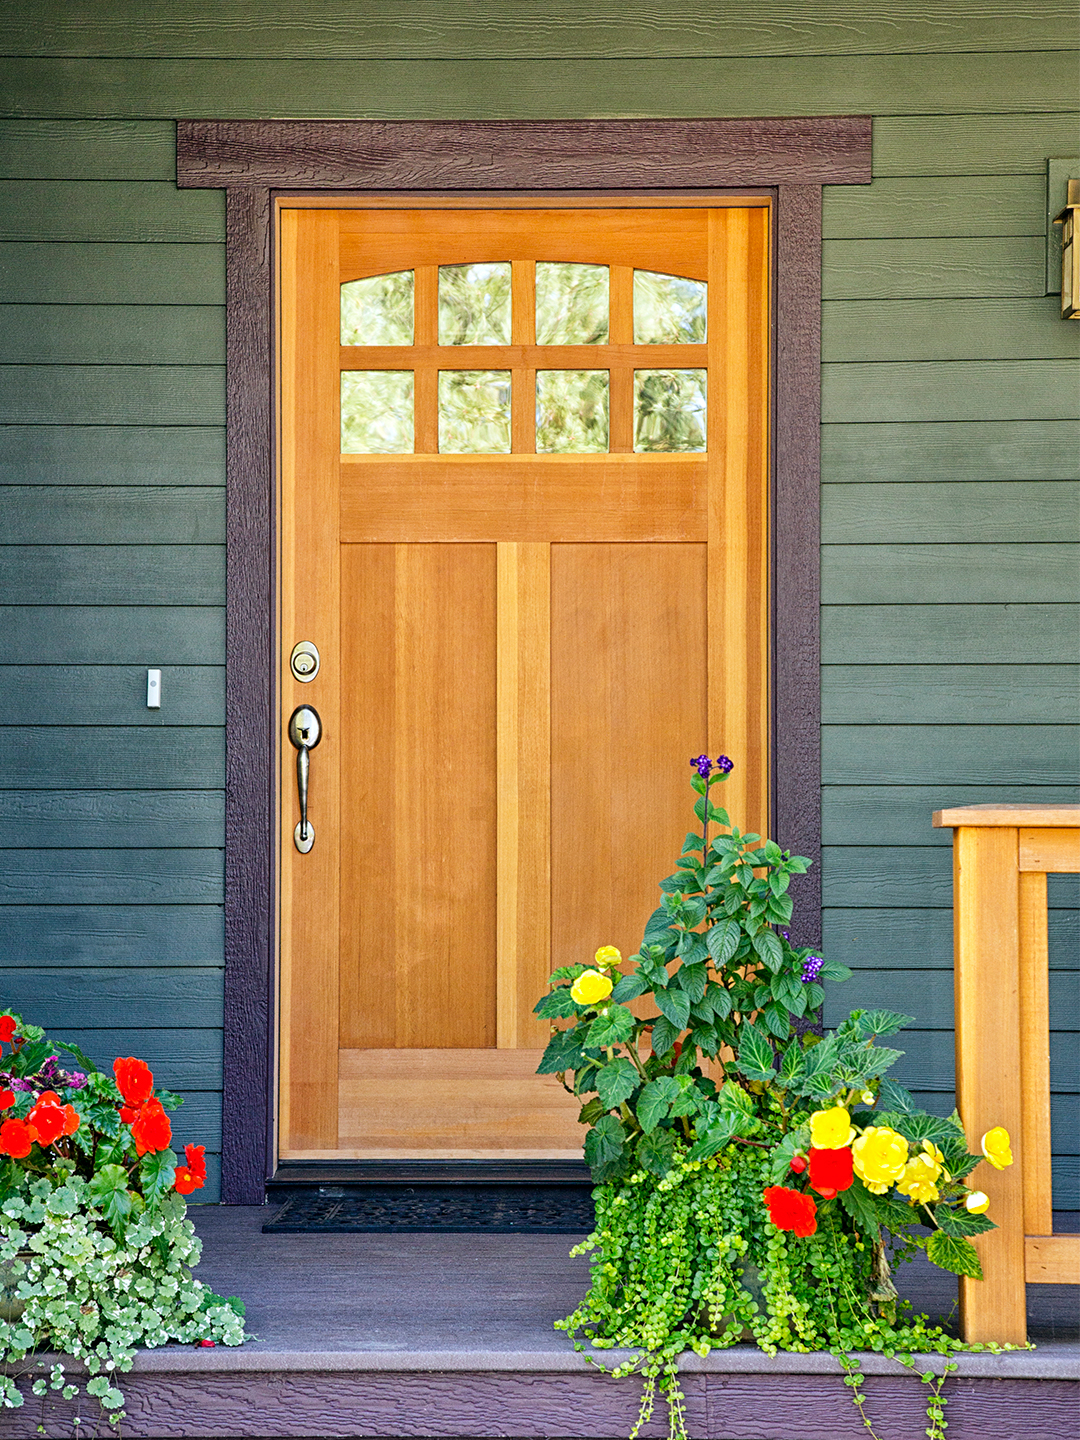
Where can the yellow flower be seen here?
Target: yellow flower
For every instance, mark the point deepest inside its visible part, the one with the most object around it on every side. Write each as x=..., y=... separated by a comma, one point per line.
x=880, y=1157
x=995, y=1146
x=590, y=988
x=917, y=1181
x=607, y=957
x=868, y=1097
x=977, y=1202
x=831, y=1129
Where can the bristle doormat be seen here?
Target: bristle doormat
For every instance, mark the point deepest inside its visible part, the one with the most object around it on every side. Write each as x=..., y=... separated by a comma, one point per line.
x=394, y=1209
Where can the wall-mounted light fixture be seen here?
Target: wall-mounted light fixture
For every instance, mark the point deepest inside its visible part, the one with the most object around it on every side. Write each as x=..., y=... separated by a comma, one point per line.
x=1070, y=253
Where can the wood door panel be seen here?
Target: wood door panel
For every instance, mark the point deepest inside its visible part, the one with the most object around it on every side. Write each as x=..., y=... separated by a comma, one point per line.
x=418, y=795
x=534, y=498
x=629, y=664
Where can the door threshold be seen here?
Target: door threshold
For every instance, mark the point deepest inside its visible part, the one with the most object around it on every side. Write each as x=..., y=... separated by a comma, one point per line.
x=357, y=1175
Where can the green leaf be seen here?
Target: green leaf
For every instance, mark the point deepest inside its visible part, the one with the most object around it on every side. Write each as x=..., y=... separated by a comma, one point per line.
x=893, y=1096
x=658, y=928
x=563, y=1052
x=859, y=1204
x=719, y=997
x=692, y=978
x=958, y=1221
x=629, y=988
x=777, y=1020
x=558, y=1005
x=782, y=1156
x=157, y=1173
x=895, y=1214
x=85, y=1063
x=655, y=1101
x=833, y=970
x=918, y=1127
x=656, y=1151
x=675, y=1005
x=108, y=1191
x=591, y=1111
x=723, y=940
x=606, y=1151
x=716, y=1137
x=616, y=1082
x=792, y=1065
x=688, y=1102
x=955, y=1254
x=768, y=946
x=733, y=1097
x=611, y=1027
x=664, y=1036
x=755, y=1054
x=883, y=1022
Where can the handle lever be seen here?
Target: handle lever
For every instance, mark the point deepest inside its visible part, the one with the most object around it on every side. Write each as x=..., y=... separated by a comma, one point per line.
x=305, y=732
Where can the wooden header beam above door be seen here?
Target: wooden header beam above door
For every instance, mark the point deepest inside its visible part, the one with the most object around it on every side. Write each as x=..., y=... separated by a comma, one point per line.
x=787, y=161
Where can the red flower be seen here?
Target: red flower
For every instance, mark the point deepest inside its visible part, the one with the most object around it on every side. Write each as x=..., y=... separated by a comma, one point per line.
x=16, y=1137
x=47, y=1117
x=791, y=1210
x=7, y=1099
x=798, y=1164
x=831, y=1171
x=151, y=1131
x=195, y=1155
x=191, y=1176
x=134, y=1079
x=129, y=1113
x=7, y=1028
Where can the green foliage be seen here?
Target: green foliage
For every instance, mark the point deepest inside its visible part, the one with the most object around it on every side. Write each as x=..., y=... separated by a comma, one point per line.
x=955, y=1254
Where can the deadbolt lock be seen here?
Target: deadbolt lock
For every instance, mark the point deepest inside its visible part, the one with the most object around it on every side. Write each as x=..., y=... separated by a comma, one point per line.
x=304, y=661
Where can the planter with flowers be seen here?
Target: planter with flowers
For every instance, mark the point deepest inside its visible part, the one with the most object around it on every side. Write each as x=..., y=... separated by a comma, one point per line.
x=755, y=1178
x=95, y=1249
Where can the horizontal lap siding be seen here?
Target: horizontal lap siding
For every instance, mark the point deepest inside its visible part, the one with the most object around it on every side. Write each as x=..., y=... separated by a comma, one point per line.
x=950, y=495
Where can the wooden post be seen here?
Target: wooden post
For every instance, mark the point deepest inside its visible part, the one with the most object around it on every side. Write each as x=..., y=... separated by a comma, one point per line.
x=988, y=1087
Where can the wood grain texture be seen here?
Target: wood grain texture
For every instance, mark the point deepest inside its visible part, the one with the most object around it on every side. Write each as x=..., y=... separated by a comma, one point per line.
x=121, y=935
x=535, y=87
x=593, y=498
x=902, y=269
x=109, y=455
x=523, y=767
x=950, y=755
x=988, y=1077
x=59, y=757
x=886, y=939
x=896, y=876
x=950, y=694
x=882, y=574
x=117, y=334
x=941, y=329
x=441, y=31
x=81, y=515
x=113, y=575
x=87, y=150
x=112, y=819
x=921, y=207
x=976, y=513
x=954, y=390
x=111, y=877
x=1005, y=450
x=111, y=274
x=1052, y=1260
x=1035, y=1021
x=554, y=155
x=1020, y=815
x=971, y=144
x=796, y=652
x=249, y=788
x=1051, y=850
x=186, y=1058
x=900, y=814
x=928, y=994
x=96, y=634
x=123, y=211
x=149, y=996
x=113, y=394
x=936, y=634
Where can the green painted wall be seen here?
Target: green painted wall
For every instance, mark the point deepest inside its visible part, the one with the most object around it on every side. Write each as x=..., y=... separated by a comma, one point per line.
x=950, y=514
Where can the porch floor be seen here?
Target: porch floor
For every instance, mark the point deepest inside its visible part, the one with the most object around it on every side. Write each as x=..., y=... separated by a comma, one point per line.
x=451, y=1335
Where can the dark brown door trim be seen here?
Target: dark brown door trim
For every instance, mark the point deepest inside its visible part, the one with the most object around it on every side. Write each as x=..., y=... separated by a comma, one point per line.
x=792, y=158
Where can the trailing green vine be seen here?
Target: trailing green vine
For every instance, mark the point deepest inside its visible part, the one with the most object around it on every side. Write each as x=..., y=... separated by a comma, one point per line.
x=756, y=1179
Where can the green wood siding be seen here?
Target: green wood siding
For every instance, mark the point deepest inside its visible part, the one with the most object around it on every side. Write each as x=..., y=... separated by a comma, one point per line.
x=949, y=455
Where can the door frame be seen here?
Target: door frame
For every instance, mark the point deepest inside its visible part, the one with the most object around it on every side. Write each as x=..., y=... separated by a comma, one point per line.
x=789, y=160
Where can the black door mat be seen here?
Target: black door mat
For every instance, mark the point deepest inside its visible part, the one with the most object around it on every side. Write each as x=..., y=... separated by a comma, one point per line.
x=401, y=1209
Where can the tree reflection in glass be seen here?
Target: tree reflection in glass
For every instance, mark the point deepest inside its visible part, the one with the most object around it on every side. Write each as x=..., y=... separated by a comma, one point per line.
x=377, y=412
x=474, y=412
x=378, y=310
x=474, y=304
x=669, y=410
x=571, y=412
x=571, y=303
x=669, y=309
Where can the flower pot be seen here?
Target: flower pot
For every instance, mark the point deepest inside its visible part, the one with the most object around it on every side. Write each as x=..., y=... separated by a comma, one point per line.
x=11, y=1307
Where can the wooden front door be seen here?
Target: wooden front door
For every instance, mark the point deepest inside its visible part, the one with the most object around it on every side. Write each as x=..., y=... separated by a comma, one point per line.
x=523, y=463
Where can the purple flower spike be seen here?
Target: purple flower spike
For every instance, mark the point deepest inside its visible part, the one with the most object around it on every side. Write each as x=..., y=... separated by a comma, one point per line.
x=811, y=968
x=703, y=765
x=724, y=765
x=76, y=1080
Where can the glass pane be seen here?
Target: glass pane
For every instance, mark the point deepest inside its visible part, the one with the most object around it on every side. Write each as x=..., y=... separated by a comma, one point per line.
x=668, y=309
x=669, y=410
x=378, y=310
x=474, y=412
x=571, y=304
x=377, y=412
x=474, y=304
x=571, y=411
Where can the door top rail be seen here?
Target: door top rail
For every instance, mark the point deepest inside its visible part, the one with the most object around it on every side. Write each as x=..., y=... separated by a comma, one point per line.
x=1038, y=816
